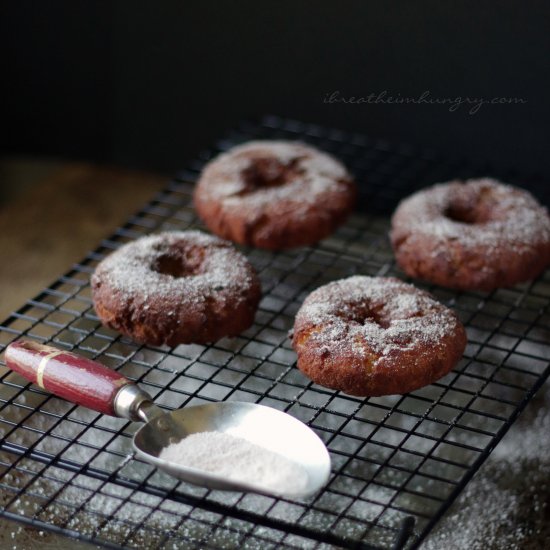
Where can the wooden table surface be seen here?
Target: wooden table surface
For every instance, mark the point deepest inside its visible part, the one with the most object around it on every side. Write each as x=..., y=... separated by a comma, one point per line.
x=55, y=223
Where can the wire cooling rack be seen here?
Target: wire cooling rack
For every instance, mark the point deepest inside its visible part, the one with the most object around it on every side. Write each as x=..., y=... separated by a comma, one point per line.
x=398, y=461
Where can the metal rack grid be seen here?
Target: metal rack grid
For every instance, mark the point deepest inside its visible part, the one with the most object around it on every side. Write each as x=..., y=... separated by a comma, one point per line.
x=398, y=461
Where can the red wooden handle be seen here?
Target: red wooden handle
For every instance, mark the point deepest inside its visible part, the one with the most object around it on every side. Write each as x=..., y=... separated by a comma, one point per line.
x=66, y=374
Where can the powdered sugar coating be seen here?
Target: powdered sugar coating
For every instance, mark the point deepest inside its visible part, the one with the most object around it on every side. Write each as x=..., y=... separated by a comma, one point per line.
x=206, y=288
x=405, y=316
x=477, y=234
x=274, y=194
x=130, y=269
x=319, y=172
x=518, y=221
x=365, y=334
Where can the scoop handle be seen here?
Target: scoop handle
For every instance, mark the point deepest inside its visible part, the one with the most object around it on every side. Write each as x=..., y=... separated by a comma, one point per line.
x=67, y=375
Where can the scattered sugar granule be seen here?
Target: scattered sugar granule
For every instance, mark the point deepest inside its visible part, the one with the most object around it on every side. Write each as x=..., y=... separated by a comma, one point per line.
x=237, y=459
x=505, y=506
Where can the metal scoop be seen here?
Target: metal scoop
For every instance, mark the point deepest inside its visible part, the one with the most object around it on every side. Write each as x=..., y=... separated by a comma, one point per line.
x=92, y=385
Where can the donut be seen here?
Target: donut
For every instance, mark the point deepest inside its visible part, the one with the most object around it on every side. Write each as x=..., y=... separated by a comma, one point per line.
x=274, y=194
x=371, y=336
x=479, y=234
x=175, y=288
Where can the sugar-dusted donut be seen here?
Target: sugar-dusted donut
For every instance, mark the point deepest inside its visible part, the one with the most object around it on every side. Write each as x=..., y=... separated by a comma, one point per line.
x=371, y=336
x=176, y=288
x=274, y=194
x=474, y=235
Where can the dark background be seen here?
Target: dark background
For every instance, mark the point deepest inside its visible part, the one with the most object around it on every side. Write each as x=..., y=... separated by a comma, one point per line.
x=149, y=84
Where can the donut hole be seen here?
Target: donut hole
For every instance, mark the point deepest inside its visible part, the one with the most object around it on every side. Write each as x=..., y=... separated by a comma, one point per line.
x=374, y=317
x=172, y=265
x=270, y=172
x=364, y=314
x=177, y=265
x=460, y=214
x=470, y=208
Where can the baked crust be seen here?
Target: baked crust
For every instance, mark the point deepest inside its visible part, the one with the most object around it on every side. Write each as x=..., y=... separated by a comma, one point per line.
x=371, y=336
x=474, y=235
x=274, y=194
x=175, y=288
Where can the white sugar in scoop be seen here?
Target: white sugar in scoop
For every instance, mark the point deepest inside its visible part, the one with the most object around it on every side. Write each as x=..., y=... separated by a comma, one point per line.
x=236, y=458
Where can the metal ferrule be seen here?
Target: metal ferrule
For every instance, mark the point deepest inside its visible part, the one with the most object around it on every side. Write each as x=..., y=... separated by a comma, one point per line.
x=131, y=402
